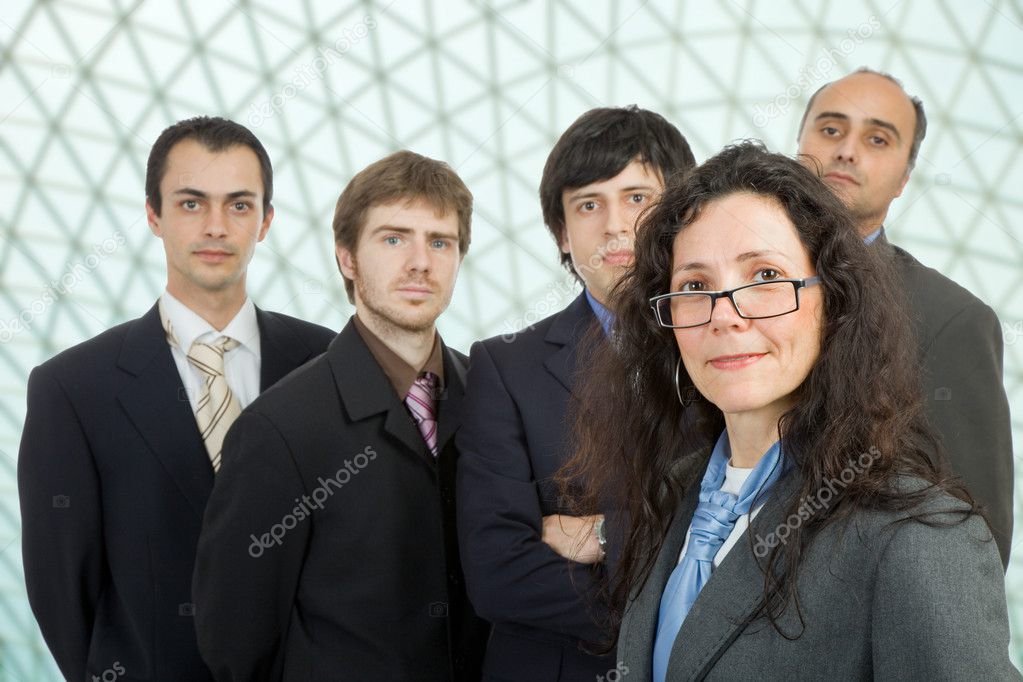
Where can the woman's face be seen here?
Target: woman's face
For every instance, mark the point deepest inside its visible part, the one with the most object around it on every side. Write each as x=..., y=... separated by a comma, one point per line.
x=740, y=365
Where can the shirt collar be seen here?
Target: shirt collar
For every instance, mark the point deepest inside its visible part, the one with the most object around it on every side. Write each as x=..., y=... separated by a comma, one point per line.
x=605, y=316
x=401, y=374
x=189, y=326
x=869, y=239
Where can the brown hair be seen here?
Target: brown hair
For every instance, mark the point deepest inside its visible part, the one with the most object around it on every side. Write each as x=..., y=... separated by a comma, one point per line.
x=401, y=175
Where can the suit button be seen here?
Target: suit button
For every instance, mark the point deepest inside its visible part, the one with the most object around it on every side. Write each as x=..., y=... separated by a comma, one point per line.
x=445, y=494
x=454, y=579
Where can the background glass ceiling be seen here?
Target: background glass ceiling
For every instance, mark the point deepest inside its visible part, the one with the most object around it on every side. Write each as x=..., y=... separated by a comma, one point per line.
x=487, y=86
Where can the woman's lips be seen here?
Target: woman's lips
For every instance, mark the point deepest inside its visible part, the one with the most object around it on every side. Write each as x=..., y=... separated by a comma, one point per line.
x=735, y=361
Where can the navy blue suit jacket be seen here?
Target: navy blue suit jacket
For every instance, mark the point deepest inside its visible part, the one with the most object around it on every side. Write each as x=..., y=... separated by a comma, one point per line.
x=514, y=438
x=113, y=478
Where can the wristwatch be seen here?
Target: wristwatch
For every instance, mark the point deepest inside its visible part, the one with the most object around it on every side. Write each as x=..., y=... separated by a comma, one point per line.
x=598, y=531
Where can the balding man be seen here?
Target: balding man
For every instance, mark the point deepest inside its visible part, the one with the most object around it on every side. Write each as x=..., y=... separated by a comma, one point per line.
x=863, y=132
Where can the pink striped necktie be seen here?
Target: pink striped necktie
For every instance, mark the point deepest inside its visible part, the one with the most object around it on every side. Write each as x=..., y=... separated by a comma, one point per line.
x=421, y=404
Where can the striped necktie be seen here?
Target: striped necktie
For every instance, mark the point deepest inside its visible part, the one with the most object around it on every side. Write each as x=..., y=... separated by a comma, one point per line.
x=421, y=404
x=217, y=406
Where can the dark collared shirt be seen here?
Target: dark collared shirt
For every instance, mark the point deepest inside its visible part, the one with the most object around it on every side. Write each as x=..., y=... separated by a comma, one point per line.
x=400, y=373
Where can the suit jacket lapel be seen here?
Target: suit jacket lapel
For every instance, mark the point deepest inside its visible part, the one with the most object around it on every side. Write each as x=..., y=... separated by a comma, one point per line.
x=734, y=591
x=639, y=625
x=449, y=404
x=156, y=403
x=566, y=331
x=281, y=349
x=365, y=390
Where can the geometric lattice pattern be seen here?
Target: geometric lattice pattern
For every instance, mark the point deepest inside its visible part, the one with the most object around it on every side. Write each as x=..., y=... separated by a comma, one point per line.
x=487, y=86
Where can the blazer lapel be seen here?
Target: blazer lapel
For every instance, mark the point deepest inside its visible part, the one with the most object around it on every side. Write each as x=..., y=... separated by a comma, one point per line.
x=639, y=624
x=567, y=331
x=158, y=406
x=365, y=390
x=449, y=403
x=734, y=591
x=281, y=349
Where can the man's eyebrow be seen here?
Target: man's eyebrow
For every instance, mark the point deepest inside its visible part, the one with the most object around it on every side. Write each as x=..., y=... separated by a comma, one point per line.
x=431, y=234
x=831, y=114
x=237, y=194
x=189, y=191
x=590, y=194
x=879, y=122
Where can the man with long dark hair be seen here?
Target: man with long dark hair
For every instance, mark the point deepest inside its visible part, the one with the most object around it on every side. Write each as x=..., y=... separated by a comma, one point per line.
x=863, y=134
x=123, y=434
x=604, y=171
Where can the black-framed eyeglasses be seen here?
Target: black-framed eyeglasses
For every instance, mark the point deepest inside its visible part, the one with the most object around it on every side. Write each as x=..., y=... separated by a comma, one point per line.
x=684, y=309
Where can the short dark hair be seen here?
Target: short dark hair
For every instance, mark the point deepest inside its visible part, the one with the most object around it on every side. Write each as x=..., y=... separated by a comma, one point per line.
x=919, y=129
x=215, y=134
x=401, y=175
x=598, y=146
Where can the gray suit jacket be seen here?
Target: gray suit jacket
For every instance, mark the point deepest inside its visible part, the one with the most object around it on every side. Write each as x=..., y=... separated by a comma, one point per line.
x=960, y=344
x=879, y=601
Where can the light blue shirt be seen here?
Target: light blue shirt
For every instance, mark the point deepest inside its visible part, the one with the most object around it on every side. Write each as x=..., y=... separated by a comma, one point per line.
x=869, y=239
x=603, y=314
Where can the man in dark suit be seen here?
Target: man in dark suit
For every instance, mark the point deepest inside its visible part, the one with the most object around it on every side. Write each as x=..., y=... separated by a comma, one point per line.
x=863, y=133
x=123, y=432
x=515, y=532
x=329, y=549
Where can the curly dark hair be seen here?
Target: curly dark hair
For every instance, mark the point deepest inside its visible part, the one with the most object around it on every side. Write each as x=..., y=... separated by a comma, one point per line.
x=862, y=393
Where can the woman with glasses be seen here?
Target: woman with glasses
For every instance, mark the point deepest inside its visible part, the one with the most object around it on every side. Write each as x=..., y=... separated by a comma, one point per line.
x=786, y=518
